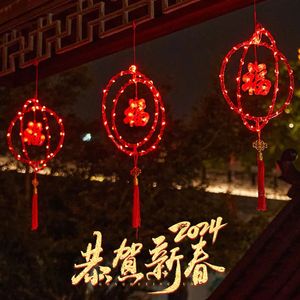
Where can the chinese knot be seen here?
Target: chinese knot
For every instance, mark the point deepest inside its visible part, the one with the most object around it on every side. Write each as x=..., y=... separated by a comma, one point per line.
x=135, y=116
x=256, y=84
x=38, y=134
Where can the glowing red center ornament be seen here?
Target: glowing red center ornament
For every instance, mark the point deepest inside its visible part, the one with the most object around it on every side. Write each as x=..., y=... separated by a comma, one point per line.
x=38, y=135
x=33, y=134
x=135, y=116
x=254, y=81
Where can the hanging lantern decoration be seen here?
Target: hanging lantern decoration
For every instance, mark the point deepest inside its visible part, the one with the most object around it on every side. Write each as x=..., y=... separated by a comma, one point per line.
x=254, y=81
x=134, y=116
x=30, y=132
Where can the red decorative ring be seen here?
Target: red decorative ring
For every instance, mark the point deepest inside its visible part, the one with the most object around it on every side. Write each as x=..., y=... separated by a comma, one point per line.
x=255, y=41
x=155, y=93
x=139, y=148
x=33, y=106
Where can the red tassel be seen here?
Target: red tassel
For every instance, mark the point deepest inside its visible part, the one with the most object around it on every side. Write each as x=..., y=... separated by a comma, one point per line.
x=35, y=208
x=34, y=216
x=262, y=203
x=136, y=214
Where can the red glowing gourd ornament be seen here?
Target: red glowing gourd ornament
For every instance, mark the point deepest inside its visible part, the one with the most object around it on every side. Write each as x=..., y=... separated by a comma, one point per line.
x=38, y=135
x=255, y=82
x=135, y=116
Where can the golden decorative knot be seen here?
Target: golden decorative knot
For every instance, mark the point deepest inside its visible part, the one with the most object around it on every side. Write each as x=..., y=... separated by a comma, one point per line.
x=260, y=146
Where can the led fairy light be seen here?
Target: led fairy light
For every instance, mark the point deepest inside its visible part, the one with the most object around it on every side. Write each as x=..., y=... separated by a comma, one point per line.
x=35, y=134
x=135, y=115
x=255, y=82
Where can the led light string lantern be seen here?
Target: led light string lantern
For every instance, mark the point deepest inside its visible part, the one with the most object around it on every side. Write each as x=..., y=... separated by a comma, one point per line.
x=253, y=81
x=31, y=131
x=134, y=116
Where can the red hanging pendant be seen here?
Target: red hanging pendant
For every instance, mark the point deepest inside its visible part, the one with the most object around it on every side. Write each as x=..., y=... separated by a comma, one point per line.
x=34, y=134
x=255, y=81
x=136, y=117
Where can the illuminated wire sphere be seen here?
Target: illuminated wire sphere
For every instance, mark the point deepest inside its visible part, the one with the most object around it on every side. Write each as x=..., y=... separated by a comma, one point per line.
x=123, y=90
x=33, y=139
x=252, y=79
x=261, y=38
x=151, y=139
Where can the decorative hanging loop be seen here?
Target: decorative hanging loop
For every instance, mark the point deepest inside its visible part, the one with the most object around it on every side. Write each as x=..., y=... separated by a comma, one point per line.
x=136, y=117
x=30, y=131
x=255, y=81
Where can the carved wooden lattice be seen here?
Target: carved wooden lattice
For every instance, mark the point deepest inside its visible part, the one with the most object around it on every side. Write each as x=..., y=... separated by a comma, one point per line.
x=72, y=24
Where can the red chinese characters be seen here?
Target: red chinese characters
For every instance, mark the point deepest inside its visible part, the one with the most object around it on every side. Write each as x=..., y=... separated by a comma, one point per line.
x=135, y=114
x=255, y=81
